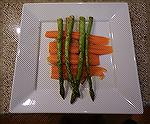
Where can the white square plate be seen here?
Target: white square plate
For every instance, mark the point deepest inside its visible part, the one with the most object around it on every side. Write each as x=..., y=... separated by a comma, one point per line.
x=33, y=89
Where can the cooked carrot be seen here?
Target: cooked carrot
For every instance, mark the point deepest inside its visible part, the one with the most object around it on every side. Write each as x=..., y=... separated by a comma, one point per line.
x=100, y=75
x=74, y=44
x=65, y=76
x=97, y=40
x=74, y=48
x=94, y=71
x=54, y=71
x=94, y=59
x=102, y=50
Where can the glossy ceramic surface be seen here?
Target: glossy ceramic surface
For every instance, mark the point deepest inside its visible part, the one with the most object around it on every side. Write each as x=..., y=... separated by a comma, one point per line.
x=34, y=91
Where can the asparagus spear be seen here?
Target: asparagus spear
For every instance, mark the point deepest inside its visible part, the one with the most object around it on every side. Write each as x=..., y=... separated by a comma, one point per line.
x=59, y=52
x=69, y=29
x=90, y=22
x=76, y=92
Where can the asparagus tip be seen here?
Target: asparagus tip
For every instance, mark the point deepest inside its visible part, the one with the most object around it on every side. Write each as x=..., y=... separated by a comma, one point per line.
x=90, y=17
x=62, y=96
x=62, y=93
x=72, y=16
x=81, y=17
x=93, y=99
x=73, y=97
x=92, y=95
x=72, y=100
x=59, y=19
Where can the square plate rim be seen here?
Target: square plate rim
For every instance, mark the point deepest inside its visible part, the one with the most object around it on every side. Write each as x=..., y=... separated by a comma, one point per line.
x=125, y=4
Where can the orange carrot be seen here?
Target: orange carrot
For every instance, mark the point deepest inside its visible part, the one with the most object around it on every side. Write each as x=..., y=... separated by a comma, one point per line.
x=74, y=43
x=74, y=48
x=93, y=59
x=94, y=71
x=55, y=75
x=102, y=50
x=65, y=76
x=97, y=40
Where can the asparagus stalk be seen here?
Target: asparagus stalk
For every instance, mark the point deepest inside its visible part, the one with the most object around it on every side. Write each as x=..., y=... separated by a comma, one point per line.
x=76, y=92
x=69, y=29
x=90, y=22
x=59, y=52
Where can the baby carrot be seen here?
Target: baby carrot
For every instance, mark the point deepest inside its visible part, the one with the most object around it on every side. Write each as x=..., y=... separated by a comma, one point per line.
x=94, y=39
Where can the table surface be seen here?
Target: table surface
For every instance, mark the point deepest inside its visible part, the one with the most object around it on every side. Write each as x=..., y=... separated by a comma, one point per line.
x=10, y=21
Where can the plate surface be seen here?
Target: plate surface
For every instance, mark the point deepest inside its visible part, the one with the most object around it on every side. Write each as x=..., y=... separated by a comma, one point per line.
x=33, y=89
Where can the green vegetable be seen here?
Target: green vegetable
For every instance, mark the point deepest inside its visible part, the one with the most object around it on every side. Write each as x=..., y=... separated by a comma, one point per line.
x=59, y=46
x=69, y=29
x=90, y=22
x=76, y=92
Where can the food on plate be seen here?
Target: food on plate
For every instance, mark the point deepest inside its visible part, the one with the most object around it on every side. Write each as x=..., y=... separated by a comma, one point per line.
x=93, y=59
x=75, y=90
x=87, y=59
x=69, y=29
x=59, y=56
x=94, y=71
x=74, y=48
x=75, y=55
x=93, y=39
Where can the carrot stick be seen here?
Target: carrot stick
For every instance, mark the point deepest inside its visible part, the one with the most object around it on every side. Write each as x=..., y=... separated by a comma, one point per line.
x=54, y=71
x=101, y=51
x=94, y=71
x=94, y=59
x=65, y=76
x=75, y=44
x=74, y=48
x=97, y=40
